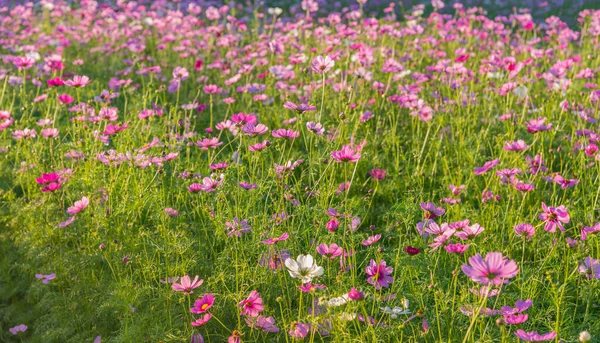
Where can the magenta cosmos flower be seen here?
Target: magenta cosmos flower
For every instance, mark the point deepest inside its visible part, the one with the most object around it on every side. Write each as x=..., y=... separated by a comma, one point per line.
x=431, y=211
x=554, y=216
x=252, y=306
x=203, y=304
x=494, y=269
x=379, y=274
x=534, y=336
x=187, y=285
x=347, y=154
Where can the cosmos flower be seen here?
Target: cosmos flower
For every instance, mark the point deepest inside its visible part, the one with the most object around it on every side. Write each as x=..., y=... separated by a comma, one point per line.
x=252, y=306
x=493, y=270
x=321, y=65
x=203, y=304
x=534, y=336
x=303, y=268
x=187, y=285
x=554, y=217
x=79, y=206
x=379, y=274
x=45, y=278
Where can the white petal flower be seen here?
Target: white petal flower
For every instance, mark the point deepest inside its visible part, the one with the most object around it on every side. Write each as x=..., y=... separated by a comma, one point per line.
x=303, y=268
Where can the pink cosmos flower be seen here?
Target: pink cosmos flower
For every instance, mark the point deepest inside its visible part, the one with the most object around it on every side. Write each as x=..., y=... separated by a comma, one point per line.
x=589, y=230
x=331, y=252
x=431, y=211
x=516, y=146
x=23, y=63
x=554, y=217
x=486, y=166
x=171, y=211
x=321, y=65
x=537, y=125
x=45, y=278
x=514, y=319
x=494, y=269
x=456, y=248
x=78, y=81
x=311, y=287
x=47, y=178
x=355, y=295
x=266, y=324
x=202, y=320
x=112, y=129
x=371, y=240
x=565, y=183
x=283, y=133
x=590, y=267
x=209, y=143
x=252, y=306
x=378, y=174
x=316, y=128
x=303, y=107
x=469, y=232
x=270, y=241
x=534, y=336
x=203, y=304
x=299, y=330
x=525, y=230
x=332, y=225
x=346, y=154
x=65, y=99
x=187, y=285
x=253, y=130
x=379, y=274
x=79, y=206
x=520, y=306
x=456, y=189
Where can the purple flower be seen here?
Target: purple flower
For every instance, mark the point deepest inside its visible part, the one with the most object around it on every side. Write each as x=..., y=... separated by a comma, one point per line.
x=590, y=267
x=45, y=278
x=534, y=336
x=19, y=328
x=379, y=274
x=486, y=166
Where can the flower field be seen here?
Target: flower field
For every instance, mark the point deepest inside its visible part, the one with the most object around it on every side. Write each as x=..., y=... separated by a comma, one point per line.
x=233, y=172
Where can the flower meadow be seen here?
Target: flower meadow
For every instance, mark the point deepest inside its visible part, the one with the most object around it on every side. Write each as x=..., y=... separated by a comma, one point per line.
x=211, y=172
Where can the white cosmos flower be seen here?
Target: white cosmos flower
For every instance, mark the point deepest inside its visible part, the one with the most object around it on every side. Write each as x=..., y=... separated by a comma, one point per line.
x=303, y=268
x=395, y=312
x=339, y=301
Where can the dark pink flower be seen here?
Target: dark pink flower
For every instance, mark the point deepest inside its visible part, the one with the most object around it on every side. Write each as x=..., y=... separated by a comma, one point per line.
x=251, y=306
x=554, y=217
x=203, y=304
x=379, y=274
